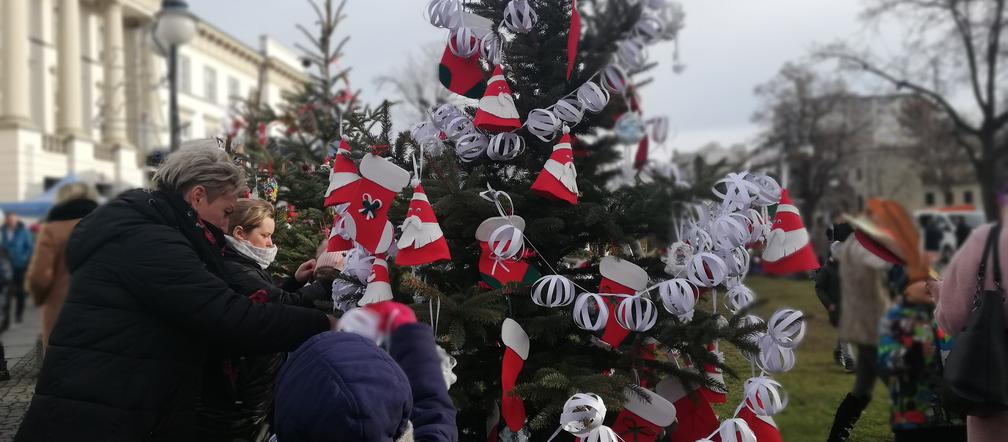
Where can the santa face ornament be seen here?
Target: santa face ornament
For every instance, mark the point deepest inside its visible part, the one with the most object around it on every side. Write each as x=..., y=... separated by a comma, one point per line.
x=788, y=249
x=422, y=241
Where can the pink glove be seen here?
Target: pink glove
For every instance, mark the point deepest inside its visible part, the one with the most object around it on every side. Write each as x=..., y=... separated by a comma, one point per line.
x=392, y=314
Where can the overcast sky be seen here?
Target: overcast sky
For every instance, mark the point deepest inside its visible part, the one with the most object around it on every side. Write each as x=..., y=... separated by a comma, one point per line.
x=729, y=46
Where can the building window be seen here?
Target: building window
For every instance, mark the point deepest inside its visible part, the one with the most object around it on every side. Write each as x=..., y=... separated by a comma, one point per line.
x=929, y=199
x=968, y=197
x=184, y=74
x=949, y=198
x=210, y=84
x=234, y=90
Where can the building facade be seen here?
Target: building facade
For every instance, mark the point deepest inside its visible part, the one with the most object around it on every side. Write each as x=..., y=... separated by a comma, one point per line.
x=83, y=90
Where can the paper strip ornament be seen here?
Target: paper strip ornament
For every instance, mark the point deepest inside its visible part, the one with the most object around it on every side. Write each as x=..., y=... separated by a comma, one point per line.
x=764, y=396
x=737, y=262
x=558, y=179
x=631, y=53
x=569, y=110
x=553, y=291
x=444, y=115
x=636, y=314
x=491, y=48
x=463, y=42
x=583, y=307
x=496, y=111
x=422, y=241
x=649, y=29
x=788, y=249
x=342, y=177
x=462, y=75
x=707, y=270
x=619, y=276
x=773, y=358
x=740, y=297
x=615, y=79
x=445, y=13
x=583, y=415
x=470, y=147
x=694, y=414
x=643, y=419
x=542, y=123
x=730, y=230
x=679, y=297
x=379, y=287
x=659, y=129
x=738, y=194
x=593, y=97
x=763, y=427
x=516, y=351
x=519, y=16
x=573, y=38
x=505, y=146
x=458, y=127
x=787, y=327
x=733, y=430
x=368, y=222
x=497, y=270
x=341, y=239
x=770, y=191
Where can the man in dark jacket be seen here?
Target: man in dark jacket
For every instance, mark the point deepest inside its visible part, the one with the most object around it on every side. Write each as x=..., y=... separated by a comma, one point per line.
x=19, y=245
x=147, y=298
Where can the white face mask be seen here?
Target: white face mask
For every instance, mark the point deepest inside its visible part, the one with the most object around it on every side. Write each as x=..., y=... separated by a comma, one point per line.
x=262, y=256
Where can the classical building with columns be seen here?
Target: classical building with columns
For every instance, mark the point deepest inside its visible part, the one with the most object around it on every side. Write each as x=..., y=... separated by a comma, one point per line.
x=83, y=90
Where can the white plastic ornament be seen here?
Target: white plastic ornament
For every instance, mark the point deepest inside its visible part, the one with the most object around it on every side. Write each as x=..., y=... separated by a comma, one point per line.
x=593, y=97
x=615, y=79
x=765, y=396
x=553, y=291
x=569, y=110
x=649, y=29
x=445, y=13
x=631, y=53
x=506, y=241
x=542, y=123
x=678, y=296
x=583, y=312
x=444, y=115
x=772, y=357
x=505, y=146
x=463, y=42
x=636, y=313
x=583, y=415
x=707, y=270
x=730, y=231
x=519, y=16
x=659, y=129
x=769, y=190
x=740, y=297
x=735, y=430
x=491, y=48
x=787, y=327
x=629, y=128
x=470, y=147
x=739, y=193
x=459, y=127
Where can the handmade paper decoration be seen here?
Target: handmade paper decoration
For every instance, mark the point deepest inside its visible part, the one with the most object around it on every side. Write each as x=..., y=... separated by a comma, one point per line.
x=458, y=127
x=787, y=327
x=428, y=136
x=788, y=249
x=462, y=75
x=764, y=396
x=553, y=291
x=732, y=430
x=740, y=297
x=505, y=146
x=584, y=306
x=573, y=38
x=340, y=238
x=631, y=53
x=463, y=42
x=659, y=129
x=445, y=13
x=469, y=147
x=501, y=261
x=491, y=48
x=496, y=111
x=737, y=262
x=368, y=222
x=649, y=29
x=619, y=276
x=516, y=351
x=773, y=358
x=342, y=177
x=677, y=258
x=542, y=123
x=763, y=427
x=583, y=415
x=643, y=419
x=770, y=191
x=730, y=230
x=694, y=414
x=636, y=313
x=592, y=97
x=379, y=287
x=629, y=128
x=679, y=297
x=707, y=270
x=558, y=179
x=615, y=79
x=735, y=192
x=422, y=241
x=519, y=16
x=569, y=110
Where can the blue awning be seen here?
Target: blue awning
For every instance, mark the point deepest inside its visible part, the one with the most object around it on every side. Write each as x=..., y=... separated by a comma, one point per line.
x=38, y=206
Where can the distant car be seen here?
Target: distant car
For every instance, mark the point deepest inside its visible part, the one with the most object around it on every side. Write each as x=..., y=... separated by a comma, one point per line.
x=947, y=224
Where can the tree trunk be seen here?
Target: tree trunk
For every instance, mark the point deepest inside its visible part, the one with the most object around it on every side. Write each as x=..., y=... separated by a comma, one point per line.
x=989, y=189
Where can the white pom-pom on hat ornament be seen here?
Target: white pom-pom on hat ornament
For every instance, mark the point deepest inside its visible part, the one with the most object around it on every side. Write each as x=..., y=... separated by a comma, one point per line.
x=445, y=13
x=765, y=396
x=631, y=53
x=615, y=79
x=505, y=146
x=636, y=313
x=569, y=110
x=519, y=16
x=787, y=327
x=678, y=296
x=553, y=291
x=583, y=312
x=471, y=146
x=463, y=42
x=542, y=123
x=707, y=270
x=593, y=97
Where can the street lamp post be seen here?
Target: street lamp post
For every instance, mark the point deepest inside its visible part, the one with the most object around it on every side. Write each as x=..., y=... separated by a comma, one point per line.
x=173, y=27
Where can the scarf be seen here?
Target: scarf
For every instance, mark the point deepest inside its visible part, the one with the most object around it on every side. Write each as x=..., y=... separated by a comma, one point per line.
x=262, y=256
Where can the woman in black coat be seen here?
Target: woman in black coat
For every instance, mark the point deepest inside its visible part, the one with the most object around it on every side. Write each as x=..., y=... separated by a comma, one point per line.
x=148, y=297
x=238, y=389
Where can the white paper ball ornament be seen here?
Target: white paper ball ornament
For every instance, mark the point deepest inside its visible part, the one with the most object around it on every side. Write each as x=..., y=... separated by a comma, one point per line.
x=765, y=396
x=772, y=357
x=740, y=297
x=470, y=147
x=759, y=226
x=631, y=53
x=659, y=129
x=583, y=415
x=463, y=42
x=444, y=115
x=707, y=270
x=615, y=79
x=730, y=231
x=491, y=48
x=678, y=296
x=553, y=291
x=636, y=313
x=738, y=194
x=787, y=327
x=519, y=16
x=458, y=127
x=737, y=262
x=735, y=430
x=769, y=192
x=542, y=123
x=505, y=146
x=506, y=241
x=593, y=97
x=649, y=29
x=445, y=13
x=583, y=316
x=629, y=128
x=569, y=110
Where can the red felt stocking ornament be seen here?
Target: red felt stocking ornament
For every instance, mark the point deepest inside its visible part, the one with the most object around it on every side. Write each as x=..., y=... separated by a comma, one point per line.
x=644, y=420
x=499, y=269
x=763, y=427
x=462, y=76
x=693, y=412
x=368, y=222
x=623, y=277
x=714, y=394
x=516, y=343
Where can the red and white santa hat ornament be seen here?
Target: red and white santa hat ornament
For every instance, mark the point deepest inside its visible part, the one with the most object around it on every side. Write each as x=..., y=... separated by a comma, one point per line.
x=788, y=248
x=496, y=111
x=558, y=178
x=343, y=177
x=422, y=241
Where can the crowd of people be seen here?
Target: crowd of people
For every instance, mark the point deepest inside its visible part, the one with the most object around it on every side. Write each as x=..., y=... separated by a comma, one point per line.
x=162, y=321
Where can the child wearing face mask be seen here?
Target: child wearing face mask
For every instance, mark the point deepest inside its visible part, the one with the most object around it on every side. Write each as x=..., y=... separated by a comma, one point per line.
x=237, y=388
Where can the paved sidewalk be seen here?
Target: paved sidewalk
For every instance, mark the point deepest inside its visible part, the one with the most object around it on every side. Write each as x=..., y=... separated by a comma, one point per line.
x=23, y=350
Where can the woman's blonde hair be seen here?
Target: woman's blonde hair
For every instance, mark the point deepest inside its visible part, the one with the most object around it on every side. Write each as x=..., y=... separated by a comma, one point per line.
x=199, y=163
x=248, y=214
x=75, y=191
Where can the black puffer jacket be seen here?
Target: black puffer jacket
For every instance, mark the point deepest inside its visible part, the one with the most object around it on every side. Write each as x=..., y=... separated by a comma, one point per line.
x=126, y=356
x=237, y=391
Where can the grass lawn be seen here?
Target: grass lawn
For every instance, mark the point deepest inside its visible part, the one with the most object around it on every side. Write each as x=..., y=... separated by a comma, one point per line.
x=816, y=385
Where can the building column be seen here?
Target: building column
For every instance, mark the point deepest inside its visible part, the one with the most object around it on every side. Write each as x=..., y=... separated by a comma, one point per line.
x=70, y=120
x=15, y=111
x=114, y=112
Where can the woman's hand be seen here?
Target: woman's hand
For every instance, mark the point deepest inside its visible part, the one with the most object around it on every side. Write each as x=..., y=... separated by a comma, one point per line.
x=305, y=272
x=918, y=293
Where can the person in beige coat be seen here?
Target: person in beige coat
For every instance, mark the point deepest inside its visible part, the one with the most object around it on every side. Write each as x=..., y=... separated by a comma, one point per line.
x=48, y=279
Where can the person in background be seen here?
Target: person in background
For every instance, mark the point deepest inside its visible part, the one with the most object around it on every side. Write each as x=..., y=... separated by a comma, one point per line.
x=47, y=278
x=962, y=231
x=238, y=389
x=827, y=287
x=19, y=244
x=341, y=386
x=932, y=240
x=148, y=298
